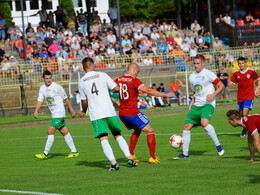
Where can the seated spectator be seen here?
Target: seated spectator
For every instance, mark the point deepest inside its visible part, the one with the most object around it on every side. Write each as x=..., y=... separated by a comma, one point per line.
x=53, y=48
x=28, y=51
x=60, y=36
x=195, y=26
x=68, y=32
x=111, y=38
x=95, y=45
x=164, y=27
x=230, y=59
x=80, y=33
x=126, y=41
x=36, y=47
x=104, y=38
x=175, y=88
x=13, y=39
x=28, y=28
x=14, y=27
x=64, y=53
x=138, y=36
x=44, y=53
x=170, y=47
x=246, y=52
x=67, y=40
x=161, y=89
x=185, y=47
x=136, y=27
x=48, y=41
x=200, y=41
x=5, y=67
x=2, y=53
x=193, y=51
x=75, y=47
x=156, y=101
x=172, y=26
x=102, y=49
x=208, y=40
x=117, y=49
x=227, y=18
x=154, y=35
x=35, y=55
x=146, y=30
x=91, y=51
x=41, y=28
x=202, y=31
x=179, y=55
x=50, y=31
x=127, y=49
x=61, y=27
x=217, y=45
x=39, y=41
x=143, y=48
x=154, y=48
x=148, y=61
x=171, y=32
x=161, y=38
x=161, y=48
x=111, y=51
x=40, y=34
x=63, y=68
x=170, y=39
x=190, y=39
x=178, y=40
x=147, y=42
x=194, y=33
x=14, y=64
x=76, y=37
x=249, y=18
x=83, y=52
x=19, y=45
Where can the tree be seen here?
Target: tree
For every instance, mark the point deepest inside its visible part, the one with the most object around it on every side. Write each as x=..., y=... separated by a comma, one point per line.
x=5, y=9
x=68, y=5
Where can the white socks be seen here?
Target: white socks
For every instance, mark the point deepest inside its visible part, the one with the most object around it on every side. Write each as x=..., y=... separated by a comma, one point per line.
x=124, y=147
x=212, y=134
x=108, y=151
x=48, y=145
x=186, y=142
x=70, y=143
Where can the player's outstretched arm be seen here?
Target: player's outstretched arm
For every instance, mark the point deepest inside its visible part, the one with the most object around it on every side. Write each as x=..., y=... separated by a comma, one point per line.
x=152, y=92
x=251, y=147
x=84, y=104
x=72, y=113
x=38, y=106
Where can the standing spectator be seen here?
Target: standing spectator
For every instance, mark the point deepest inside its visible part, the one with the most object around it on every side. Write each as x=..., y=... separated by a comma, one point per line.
x=70, y=20
x=50, y=17
x=2, y=29
x=59, y=16
x=81, y=19
x=112, y=13
x=223, y=76
x=43, y=16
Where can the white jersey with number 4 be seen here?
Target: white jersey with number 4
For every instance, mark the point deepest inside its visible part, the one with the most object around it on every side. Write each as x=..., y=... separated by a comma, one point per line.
x=93, y=86
x=203, y=84
x=54, y=95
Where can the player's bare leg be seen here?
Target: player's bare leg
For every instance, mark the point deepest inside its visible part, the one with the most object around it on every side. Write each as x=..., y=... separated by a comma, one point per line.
x=244, y=112
x=133, y=141
x=64, y=131
x=151, y=143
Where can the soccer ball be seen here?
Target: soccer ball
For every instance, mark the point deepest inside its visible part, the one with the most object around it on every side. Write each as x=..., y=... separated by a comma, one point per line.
x=176, y=141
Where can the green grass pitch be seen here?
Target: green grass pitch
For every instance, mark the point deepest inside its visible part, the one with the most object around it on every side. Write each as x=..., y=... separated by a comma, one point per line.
x=203, y=173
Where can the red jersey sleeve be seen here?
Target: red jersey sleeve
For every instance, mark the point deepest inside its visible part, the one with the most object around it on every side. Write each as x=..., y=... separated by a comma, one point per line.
x=255, y=76
x=216, y=81
x=116, y=80
x=234, y=78
x=137, y=83
x=249, y=125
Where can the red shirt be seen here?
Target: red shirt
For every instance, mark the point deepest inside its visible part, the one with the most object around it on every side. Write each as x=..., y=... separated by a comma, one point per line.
x=246, y=84
x=251, y=123
x=128, y=95
x=174, y=87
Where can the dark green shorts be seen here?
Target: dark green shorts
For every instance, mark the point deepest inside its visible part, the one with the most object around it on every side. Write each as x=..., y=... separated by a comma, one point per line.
x=102, y=126
x=196, y=113
x=58, y=123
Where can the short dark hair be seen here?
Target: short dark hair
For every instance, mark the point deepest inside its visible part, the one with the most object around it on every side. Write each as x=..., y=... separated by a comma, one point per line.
x=46, y=72
x=233, y=114
x=200, y=56
x=87, y=63
x=154, y=84
x=241, y=59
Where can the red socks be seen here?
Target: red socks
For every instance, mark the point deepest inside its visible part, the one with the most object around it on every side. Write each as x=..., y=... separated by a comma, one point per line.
x=151, y=143
x=133, y=141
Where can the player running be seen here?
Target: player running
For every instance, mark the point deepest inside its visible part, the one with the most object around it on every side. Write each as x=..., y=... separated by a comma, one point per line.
x=250, y=123
x=55, y=95
x=202, y=105
x=129, y=113
x=245, y=78
x=93, y=90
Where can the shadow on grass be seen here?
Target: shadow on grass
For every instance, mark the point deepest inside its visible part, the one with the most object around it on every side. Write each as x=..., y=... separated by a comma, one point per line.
x=228, y=134
x=53, y=155
x=199, y=152
x=254, y=178
x=102, y=164
x=237, y=157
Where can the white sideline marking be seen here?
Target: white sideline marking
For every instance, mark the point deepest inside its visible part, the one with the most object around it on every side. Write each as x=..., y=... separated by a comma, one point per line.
x=57, y=137
x=26, y=192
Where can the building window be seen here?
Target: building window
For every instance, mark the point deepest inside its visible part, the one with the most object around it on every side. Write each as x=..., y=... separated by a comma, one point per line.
x=34, y=4
x=93, y=3
x=18, y=5
x=47, y=4
x=77, y=3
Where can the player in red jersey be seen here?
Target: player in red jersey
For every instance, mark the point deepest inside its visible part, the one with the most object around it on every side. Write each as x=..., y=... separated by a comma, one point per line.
x=129, y=113
x=251, y=123
x=245, y=78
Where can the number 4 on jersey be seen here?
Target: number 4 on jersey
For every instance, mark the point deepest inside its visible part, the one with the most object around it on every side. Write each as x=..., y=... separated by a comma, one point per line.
x=94, y=88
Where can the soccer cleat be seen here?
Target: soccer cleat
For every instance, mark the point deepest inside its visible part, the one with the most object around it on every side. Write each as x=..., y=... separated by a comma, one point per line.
x=114, y=167
x=41, y=156
x=132, y=162
x=134, y=158
x=181, y=156
x=154, y=161
x=72, y=155
x=220, y=150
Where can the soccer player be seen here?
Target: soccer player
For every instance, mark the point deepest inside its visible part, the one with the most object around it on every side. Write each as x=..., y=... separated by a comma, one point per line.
x=251, y=123
x=202, y=105
x=129, y=113
x=55, y=95
x=93, y=90
x=245, y=78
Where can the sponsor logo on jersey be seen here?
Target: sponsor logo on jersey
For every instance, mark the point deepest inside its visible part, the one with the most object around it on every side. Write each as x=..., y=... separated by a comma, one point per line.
x=50, y=100
x=197, y=88
x=248, y=76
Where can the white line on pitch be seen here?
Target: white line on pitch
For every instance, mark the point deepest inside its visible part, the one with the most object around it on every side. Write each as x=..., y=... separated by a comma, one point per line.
x=26, y=192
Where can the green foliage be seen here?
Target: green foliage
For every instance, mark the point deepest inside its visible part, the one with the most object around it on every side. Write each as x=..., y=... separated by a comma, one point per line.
x=5, y=9
x=146, y=8
x=68, y=5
